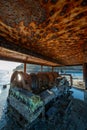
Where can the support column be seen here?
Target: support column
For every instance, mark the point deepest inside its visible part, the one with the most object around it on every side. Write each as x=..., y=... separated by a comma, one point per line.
x=25, y=68
x=41, y=68
x=52, y=69
x=85, y=74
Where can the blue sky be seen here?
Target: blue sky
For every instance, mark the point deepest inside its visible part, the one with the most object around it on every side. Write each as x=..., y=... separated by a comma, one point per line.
x=5, y=65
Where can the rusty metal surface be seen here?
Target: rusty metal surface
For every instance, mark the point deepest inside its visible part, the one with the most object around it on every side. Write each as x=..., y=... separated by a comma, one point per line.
x=53, y=28
x=33, y=82
x=9, y=55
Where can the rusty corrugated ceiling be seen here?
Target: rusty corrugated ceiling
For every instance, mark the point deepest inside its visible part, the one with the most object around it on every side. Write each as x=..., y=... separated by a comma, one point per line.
x=51, y=29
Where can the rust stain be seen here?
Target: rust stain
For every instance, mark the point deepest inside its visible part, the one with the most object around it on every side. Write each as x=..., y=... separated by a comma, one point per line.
x=21, y=10
x=53, y=28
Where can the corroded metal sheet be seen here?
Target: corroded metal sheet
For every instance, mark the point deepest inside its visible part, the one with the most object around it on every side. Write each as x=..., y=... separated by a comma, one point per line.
x=25, y=103
x=9, y=55
x=53, y=28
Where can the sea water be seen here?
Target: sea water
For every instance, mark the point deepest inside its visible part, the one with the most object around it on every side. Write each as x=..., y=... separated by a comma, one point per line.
x=4, y=80
x=76, y=75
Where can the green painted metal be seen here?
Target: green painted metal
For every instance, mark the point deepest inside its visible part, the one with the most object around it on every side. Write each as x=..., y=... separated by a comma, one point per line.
x=31, y=100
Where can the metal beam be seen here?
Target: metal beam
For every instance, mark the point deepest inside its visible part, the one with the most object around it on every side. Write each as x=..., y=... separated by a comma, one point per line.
x=25, y=68
x=21, y=61
x=41, y=68
x=19, y=48
x=52, y=69
x=6, y=54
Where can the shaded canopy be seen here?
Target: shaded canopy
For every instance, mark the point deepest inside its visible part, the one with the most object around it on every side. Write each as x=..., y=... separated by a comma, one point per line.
x=55, y=31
